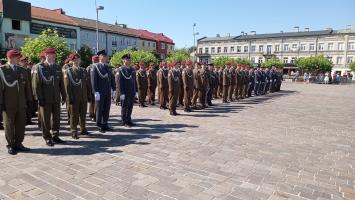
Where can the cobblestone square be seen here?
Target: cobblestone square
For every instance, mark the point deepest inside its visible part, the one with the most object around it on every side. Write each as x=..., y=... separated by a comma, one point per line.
x=295, y=144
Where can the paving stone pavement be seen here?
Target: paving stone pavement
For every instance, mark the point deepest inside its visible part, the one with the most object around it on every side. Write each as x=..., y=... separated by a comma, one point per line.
x=296, y=144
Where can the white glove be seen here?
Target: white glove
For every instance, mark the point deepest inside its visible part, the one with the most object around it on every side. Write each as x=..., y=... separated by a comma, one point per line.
x=97, y=96
x=122, y=97
x=136, y=94
x=113, y=94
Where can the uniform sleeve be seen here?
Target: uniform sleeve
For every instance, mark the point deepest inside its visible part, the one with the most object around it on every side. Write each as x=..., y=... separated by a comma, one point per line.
x=117, y=81
x=112, y=79
x=139, y=81
x=170, y=81
x=67, y=87
x=61, y=86
x=184, y=79
x=159, y=79
x=37, y=84
x=93, y=78
x=28, y=88
x=122, y=90
x=88, y=85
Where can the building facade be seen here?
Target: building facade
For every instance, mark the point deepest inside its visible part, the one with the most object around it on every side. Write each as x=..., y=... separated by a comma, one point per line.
x=337, y=45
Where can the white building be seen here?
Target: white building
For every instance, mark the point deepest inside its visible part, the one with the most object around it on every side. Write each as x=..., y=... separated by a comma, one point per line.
x=337, y=45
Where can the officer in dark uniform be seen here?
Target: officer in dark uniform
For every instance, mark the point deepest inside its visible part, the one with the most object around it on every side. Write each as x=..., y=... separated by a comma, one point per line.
x=257, y=81
x=3, y=62
x=103, y=84
x=272, y=79
x=251, y=81
x=127, y=88
x=262, y=81
x=212, y=82
x=268, y=80
x=14, y=94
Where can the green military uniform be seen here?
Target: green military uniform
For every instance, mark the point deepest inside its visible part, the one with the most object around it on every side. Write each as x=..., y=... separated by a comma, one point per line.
x=246, y=83
x=204, y=75
x=152, y=85
x=174, y=87
x=163, y=87
x=181, y=91
x=77, y=87
x=232, y=84
x=197, y=86
x=226, y=84
x=49, y=87
x=188, y=86
x=239, y=87
x=15, y=92
x=142, y=84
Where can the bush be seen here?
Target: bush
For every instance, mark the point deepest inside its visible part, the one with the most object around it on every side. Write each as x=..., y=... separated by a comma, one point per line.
x=178, y=55
x=48, y=38
x=272, y=62
x=136, y=57
x=85, y=55
x=315, y=64
x=352, y=66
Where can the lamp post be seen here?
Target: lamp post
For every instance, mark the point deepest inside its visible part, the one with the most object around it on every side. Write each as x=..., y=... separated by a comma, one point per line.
x=194, y=34
x=97, y=25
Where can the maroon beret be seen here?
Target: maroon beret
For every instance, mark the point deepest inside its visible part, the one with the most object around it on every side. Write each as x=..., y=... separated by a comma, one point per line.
x=95, y=58
x=73, y=56
x=23, y=58
x=49, y=51
x=13, y=53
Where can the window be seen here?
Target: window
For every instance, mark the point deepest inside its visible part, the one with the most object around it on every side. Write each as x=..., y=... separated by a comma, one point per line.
x=16, y=24
x=294, y=47
x=260, y=60
x=351, y=45
x=349, y=60
x=268, y=49
x=171, y=47
x=239, y=49
x=143, y=43
x=285, y=59
x=232, y=49
x=148, y=44
x=321, y=46
x=200, y=50
x=340, y=46
x=311, y=47
x=261, y=48
x=225, y=50
x=293, y=60
x=162, y=46
x=339, y=60
x=252, y=59
x=277, y=48
x=285, y=47
x=245, y=49
x=206, y=50
x=330, y=46
x=213, y=50
x=330, y=58
x=153, y=44
x=219, y=49
x=303, y=47
x=253, y=48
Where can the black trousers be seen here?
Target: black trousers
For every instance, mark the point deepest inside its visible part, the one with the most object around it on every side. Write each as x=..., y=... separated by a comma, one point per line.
x=126, y=109
x=209, y=96
x=103, y=110
x=250, y=89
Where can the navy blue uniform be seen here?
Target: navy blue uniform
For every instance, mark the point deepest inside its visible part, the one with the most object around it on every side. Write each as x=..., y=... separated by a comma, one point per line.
x=251, y=82
x=126, y=78
x=103, y=82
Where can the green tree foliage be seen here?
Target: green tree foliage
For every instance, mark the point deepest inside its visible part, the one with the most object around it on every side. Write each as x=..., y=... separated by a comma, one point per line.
x=272, y=62
x=136, y=57
x=352, y=66
x=178, y=55
x=221, y=61
x=85, y=55
x=48, y=38
x=314, y=64
x=242, y=61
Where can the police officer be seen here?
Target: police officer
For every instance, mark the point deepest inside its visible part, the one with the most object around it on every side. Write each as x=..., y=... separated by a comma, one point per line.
x=77, y=87
x=163, y=85
x=174, y=87
x=127, y=88
x=103, y=86
x=14, y=94
x=188, y=82
x=49, y=86
x=92, y=114
x=142, y=84
x=152, y=83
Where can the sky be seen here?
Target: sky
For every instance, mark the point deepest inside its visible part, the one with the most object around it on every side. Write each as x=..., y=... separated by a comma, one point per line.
x=175, y=18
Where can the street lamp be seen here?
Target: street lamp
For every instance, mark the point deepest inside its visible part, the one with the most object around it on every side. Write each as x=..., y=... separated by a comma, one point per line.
x=194, y=34
x=97, y=25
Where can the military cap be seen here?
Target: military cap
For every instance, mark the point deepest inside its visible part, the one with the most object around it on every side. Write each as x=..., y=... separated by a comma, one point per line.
x=101, y=53
x=126, y=56
x=49, y=51
x=95, y=58
x=23, y=58
x=13, y=53
x=73, y=56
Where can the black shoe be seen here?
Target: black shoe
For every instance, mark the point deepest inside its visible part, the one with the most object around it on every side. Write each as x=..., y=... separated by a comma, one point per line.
x=107, y=128
x=22, y=148
x=49, y=143
x=29, y=123
x=57, y=140
x=186, y=110
x=75, y=135
x=11, y=151
x=1, y=127
x=127, y=125
x=93, y=119
x=84, y=133
x=131, y=124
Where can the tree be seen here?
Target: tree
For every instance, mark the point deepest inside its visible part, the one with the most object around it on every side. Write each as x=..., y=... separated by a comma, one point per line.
x=352, y=66
x=178, y=55
x=221, y=61
x=48, y=38
x=85, y=55
x=315, y=64
x=136, y=57
x=272, y=62
x=242, y=61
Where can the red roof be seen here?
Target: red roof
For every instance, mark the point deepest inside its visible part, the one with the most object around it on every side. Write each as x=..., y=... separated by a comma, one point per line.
x=158, y=37
x=56, y=16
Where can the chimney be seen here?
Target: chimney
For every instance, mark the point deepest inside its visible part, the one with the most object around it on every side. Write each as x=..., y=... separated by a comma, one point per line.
x=242, y=33
x=297, y=28
x=60, y=11
x=307, y=29
x=253, y=32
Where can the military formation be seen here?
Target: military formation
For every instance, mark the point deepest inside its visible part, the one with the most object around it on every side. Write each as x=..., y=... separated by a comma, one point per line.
x=41, y=90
